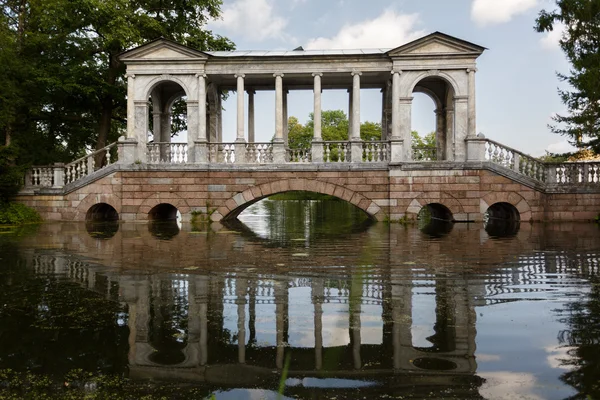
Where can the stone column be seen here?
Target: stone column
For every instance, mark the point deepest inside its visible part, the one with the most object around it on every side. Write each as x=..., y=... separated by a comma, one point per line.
x=280, y=294
x=278, y=143
x=450, y=138
x=402, y=323
x=285, y=117
x=200, y=154
x=130, y=107
x=141, y=129
x=472, y=129
x=350, y=114
x=251, y=138
x=355, y=142
x=461, y=122
x=440, y=127
x=240, y=142
x=404, y=116
x=396, y=141
x=192, y=122
x=317, y=145
x=156, y=122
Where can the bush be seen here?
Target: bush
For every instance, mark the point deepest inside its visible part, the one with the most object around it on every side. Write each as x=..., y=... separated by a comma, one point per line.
x=17, y=214
x=11, y=176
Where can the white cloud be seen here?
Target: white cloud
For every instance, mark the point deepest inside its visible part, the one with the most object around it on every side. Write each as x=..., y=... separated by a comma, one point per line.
x=502, y=385
x=561, y=147
x=390, y=29
x=490, y=12
x=550, y=39
x=255, y=19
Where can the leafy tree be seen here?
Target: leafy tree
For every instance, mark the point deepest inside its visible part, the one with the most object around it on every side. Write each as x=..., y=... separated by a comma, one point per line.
x=66, y=85
x=581, y=45
x=298, y=135
x=370, y=130
x=423, y=142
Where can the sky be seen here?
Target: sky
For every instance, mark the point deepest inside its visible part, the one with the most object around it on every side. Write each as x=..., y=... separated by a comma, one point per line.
x=516, y=79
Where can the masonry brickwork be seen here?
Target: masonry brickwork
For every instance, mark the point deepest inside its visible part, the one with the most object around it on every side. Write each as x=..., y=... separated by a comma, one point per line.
x=386, y=193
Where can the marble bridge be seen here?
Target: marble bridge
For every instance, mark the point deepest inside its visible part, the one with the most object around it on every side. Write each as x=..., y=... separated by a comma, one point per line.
x=466, y=177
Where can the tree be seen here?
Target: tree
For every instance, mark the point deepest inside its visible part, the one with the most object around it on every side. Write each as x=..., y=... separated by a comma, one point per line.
x=334, y=127
x=423, y=142
x=581, y=45
x=66, y=52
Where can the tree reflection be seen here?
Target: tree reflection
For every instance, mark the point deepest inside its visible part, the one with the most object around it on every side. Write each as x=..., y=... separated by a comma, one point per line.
x=584, y=335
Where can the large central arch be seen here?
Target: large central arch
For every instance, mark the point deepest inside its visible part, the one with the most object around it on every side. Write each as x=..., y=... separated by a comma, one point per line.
x=238, y=203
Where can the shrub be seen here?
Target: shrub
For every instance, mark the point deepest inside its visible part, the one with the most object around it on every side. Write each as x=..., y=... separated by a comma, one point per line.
x=17, y=214
x=11, y=176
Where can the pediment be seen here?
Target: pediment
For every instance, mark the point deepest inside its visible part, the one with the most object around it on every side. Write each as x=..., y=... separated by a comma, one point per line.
x=162, y=50
x=437, y=44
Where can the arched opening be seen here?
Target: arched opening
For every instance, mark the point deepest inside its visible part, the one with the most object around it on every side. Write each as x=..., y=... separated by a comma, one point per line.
x=102, y=212
x=502, y=220
x=165, y=221
x=167, y=125
x=435, y=220
x=294, y=215
x=102, y=221
x=435, y=143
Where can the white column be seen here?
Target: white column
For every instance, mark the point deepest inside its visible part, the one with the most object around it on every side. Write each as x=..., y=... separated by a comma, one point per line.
x=202, y=108
x=472, y=129
x=240, y=107
x=317, y=106
x=130, y=107
x=285, y=117
x=251, y=137
x=355, y=129
x=396, y=132
x=278, y=107
x=404, y=116
x=461, y=126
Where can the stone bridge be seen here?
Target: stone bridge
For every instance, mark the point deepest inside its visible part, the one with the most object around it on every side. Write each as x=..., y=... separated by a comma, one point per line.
x=466, y=177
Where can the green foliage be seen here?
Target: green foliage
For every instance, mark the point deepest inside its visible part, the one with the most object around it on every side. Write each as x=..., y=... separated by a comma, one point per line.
x=334, y=127
x=554, y=158
x=63, y=86
x=11, y=176
x=581, y=45
x=17, y=214
x=423, y=142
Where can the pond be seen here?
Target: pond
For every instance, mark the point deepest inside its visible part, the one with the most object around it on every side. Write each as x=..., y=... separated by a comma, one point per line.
x=304, y=298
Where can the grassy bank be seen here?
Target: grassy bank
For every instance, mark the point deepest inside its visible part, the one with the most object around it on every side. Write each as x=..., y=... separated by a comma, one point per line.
x=17, y=214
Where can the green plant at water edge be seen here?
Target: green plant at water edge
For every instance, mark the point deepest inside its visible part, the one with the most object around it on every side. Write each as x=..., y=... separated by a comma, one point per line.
x=11, y=176
x=17, y=214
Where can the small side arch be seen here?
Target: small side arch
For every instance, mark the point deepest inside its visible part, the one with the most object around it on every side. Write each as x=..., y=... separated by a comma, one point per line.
x=238, y=203
x=162, y=198
x=443, y=198
x=512, y=198
x=153, y=83
x=92, y=199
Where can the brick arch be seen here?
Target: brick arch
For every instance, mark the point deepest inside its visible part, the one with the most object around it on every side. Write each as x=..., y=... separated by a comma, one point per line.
x=443, y=198
x=513, y=198
x=161, y=198
x=238, y=203
x=92, y=199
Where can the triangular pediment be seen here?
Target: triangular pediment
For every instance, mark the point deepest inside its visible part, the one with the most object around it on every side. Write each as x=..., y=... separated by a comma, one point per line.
x=437, y=44
x=162, y=50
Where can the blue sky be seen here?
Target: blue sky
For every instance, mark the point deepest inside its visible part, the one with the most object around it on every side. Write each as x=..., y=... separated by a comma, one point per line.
x=516, y=78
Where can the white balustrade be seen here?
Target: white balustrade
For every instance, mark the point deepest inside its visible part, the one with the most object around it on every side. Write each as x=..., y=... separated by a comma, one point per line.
x=336, y=151
x=40, y=177
x=515, y=160
x=573, y=173
x=375, y=151
x=424, y=153
x=299, y=155
x=167, y=153
x=259, y=153
x=223, y=153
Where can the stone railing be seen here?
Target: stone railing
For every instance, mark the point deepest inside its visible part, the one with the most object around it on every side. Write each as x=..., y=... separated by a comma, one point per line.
x=223, y=153
x=424, y=153
x=574, y=173
x=336, y=152
x=298, y=155
x=375, y=151
x=259, y=153
x=167, y=153
x=515, y=160
x=58, y=175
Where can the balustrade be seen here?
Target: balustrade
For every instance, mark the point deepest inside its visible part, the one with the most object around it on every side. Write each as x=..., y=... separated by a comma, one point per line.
x=167, y=153
x=299, y=155
x=259, y=153
x=336, y=151
x=423, y=153
x=376, y=151
x=515, y=160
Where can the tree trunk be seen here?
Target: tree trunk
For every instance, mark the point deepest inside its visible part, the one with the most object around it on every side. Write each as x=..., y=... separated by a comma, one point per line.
x=106, y=112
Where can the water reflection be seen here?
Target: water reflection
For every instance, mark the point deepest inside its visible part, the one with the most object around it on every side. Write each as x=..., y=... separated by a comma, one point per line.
x=386, y=311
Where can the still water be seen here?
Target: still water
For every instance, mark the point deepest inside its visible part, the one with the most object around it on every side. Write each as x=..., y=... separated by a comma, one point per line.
x=303, y=298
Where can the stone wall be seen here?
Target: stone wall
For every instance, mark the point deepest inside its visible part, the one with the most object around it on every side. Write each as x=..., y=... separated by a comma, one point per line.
x=384, y=194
